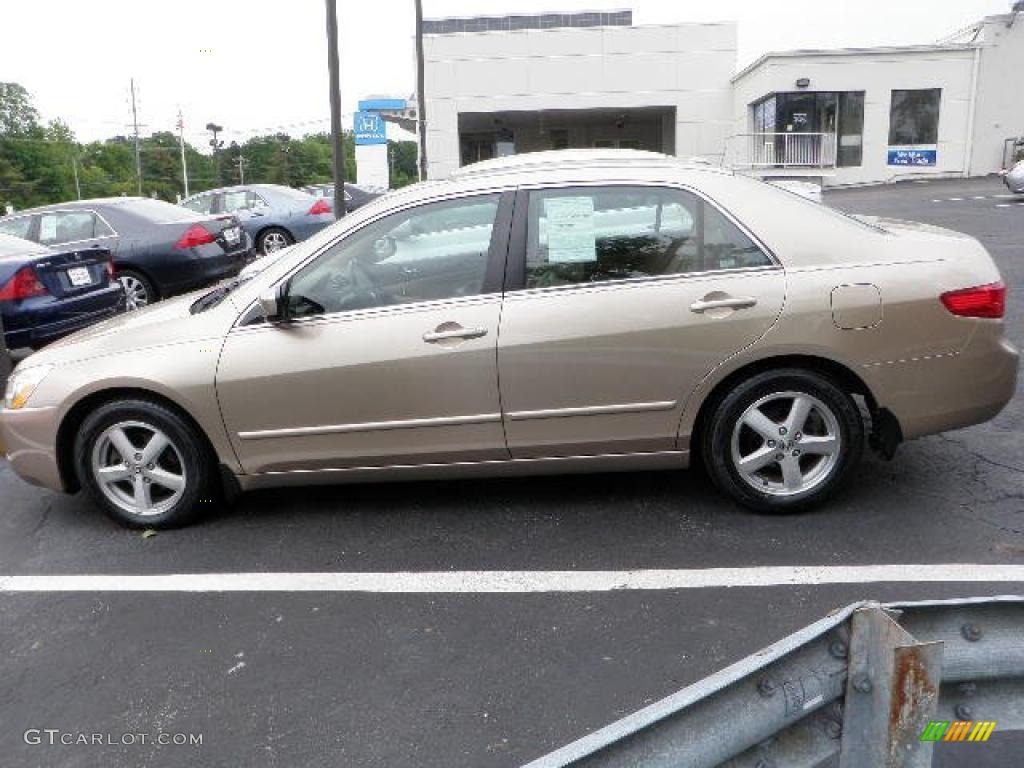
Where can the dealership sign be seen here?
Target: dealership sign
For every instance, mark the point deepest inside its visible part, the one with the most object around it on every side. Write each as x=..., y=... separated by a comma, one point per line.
x=923, y=156
x=369, y=128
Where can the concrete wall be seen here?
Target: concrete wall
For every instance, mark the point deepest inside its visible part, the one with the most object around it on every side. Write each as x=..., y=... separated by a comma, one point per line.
x=999, y=112
x=686, y=66
x=876, y=73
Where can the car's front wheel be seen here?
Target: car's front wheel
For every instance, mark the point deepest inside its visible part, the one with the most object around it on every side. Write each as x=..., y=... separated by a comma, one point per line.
x=783, y=440
x=143, y=464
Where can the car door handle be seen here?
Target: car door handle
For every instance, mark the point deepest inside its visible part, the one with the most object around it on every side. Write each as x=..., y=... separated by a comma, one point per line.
x=739, y=302
x=454, y=333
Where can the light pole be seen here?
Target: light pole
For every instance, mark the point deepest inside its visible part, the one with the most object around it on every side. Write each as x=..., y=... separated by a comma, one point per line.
x=333, y=70
x=421, y=99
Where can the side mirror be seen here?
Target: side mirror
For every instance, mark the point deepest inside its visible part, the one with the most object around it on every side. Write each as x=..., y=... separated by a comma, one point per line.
x=274, y=303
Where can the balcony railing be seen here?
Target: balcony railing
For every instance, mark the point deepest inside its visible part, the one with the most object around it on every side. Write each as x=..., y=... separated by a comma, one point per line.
x=783, y=150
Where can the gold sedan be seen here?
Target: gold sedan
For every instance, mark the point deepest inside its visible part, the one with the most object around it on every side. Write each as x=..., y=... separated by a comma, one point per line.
x=573, y=311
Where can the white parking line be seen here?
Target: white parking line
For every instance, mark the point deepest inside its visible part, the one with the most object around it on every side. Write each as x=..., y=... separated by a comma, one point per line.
x=517, y=581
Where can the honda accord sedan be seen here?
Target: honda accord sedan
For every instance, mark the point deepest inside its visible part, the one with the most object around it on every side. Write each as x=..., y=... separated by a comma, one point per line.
x=159, y=249
x=576, y=311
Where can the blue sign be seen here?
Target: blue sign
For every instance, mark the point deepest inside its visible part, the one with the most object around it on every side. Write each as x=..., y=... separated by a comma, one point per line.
x=369, y=128
x=912, y=156
x=380, y=105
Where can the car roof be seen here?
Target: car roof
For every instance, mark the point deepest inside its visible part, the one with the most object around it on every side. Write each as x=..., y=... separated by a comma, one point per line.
x=72, y=204
x=577, y=159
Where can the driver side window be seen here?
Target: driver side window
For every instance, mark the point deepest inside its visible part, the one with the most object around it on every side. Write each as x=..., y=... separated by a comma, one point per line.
x=431, y=252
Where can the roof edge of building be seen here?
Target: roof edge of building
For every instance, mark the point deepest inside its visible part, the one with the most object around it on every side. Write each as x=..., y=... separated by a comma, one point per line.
x=879, y=50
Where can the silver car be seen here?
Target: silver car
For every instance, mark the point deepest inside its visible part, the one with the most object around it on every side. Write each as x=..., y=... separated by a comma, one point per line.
x=571, y=311
x=1014, y=178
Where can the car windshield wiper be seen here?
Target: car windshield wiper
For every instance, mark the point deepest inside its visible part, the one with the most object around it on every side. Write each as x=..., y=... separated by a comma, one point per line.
x=214, y=297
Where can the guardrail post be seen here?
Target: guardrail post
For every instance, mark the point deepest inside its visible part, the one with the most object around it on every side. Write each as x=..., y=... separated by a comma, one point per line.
x=892, y=693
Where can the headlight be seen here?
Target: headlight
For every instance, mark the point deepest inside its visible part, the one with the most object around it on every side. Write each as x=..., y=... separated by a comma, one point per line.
x=22, y=384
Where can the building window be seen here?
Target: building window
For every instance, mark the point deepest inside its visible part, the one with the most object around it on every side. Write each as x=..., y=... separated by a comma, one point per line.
x=850, y=141
x=914, y=117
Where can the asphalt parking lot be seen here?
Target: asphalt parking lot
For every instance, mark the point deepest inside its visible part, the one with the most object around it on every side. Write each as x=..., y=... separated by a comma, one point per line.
x=379, y=678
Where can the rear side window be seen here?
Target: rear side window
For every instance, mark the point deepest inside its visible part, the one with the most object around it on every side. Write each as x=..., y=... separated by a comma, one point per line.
x=201, y=204
x=16, y=227
x=59, y=227
x=598, y=234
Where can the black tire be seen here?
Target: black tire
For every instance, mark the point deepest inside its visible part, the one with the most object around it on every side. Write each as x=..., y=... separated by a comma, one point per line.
x=269, y=234
x=187, y=453
x=717, y=441
x=137, y=285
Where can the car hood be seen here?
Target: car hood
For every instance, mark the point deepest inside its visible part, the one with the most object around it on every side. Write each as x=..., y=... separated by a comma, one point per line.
x=162, y=324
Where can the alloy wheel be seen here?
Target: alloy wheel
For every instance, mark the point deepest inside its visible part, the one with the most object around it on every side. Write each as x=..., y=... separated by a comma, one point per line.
x=136, y=295
x=786, y=443
x=138, y=468
x=274, y=241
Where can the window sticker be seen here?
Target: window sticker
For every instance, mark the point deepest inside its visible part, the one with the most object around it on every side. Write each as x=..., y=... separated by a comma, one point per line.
x=570, y=228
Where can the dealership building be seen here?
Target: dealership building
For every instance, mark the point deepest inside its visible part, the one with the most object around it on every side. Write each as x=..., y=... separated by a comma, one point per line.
x=500, y=85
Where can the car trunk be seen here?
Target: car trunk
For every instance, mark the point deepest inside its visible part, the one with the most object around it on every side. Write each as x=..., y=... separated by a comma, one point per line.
x=72, y=273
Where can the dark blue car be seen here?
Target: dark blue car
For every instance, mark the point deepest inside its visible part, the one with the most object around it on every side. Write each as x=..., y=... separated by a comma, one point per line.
x=46, y=293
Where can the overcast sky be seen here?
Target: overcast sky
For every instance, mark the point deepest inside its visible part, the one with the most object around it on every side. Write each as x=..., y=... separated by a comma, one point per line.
x=257, y=66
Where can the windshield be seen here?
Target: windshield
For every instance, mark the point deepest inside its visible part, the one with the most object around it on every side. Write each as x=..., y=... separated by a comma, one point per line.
x=10, y=246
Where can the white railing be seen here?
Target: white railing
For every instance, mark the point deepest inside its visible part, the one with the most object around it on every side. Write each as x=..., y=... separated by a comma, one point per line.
x=784, y=150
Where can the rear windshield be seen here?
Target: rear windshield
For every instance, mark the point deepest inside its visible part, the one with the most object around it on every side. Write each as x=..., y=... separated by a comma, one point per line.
x=294, y=194
x=156, y=211
x=11, y=246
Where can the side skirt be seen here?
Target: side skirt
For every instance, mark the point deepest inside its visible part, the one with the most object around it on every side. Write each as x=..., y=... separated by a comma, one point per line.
x=511, y=468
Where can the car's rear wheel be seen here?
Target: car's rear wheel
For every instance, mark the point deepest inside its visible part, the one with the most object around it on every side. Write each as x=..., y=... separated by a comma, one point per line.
x=143, y=464
x=138, y=290
x=273, y=239
x=783, y=440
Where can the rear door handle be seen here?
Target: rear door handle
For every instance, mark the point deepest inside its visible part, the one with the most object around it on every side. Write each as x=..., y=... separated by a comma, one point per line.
x=454, y=333
x=740, y=302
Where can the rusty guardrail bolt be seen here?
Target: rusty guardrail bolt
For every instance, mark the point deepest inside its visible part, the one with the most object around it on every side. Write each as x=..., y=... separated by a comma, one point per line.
x=964, y=712
x=838, y=649
x=971, y=633
x=833, y=729
x=767, y=687
x=862, y=684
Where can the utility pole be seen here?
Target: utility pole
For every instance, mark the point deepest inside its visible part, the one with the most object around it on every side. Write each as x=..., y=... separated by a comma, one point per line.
x=421, y=99
x=334, y=77
x=181, y=141
x=215, y=129
x=241, y=170
x=74, y=170
x=138, y=156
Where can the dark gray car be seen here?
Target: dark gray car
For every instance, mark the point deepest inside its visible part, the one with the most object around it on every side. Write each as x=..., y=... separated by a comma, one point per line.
x=158, y=249
x=274, y=216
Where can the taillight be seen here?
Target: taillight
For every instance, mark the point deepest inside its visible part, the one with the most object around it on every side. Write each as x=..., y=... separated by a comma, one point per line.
x=319, y=207
x=110, y=270
x=196, y=235
x=23, y=285
x=980, y=301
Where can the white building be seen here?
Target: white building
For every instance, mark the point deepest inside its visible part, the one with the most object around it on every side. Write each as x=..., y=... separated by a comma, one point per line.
x=497, y=85
x=520, y=83
x=878, y=114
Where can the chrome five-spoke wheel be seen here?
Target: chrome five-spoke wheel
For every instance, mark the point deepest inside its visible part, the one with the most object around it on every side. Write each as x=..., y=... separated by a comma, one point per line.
x=138, y=468
x=786, y=443
x=136, y=293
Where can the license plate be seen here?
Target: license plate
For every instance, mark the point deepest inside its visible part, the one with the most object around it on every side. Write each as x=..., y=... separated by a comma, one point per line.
x=79, y=276
x=232, y=235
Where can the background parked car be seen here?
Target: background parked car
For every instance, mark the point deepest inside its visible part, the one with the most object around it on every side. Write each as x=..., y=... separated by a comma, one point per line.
x=48, y=293
x=1015, y=178
x=158, y=249
x=272, y=215
x=355, y=195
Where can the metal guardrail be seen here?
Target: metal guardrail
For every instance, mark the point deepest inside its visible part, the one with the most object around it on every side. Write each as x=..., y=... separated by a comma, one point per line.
x=782, y=150
x=862, y=684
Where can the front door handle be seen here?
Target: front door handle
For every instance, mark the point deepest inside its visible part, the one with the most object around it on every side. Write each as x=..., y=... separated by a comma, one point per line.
x=740, y=302
x=454, y=333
